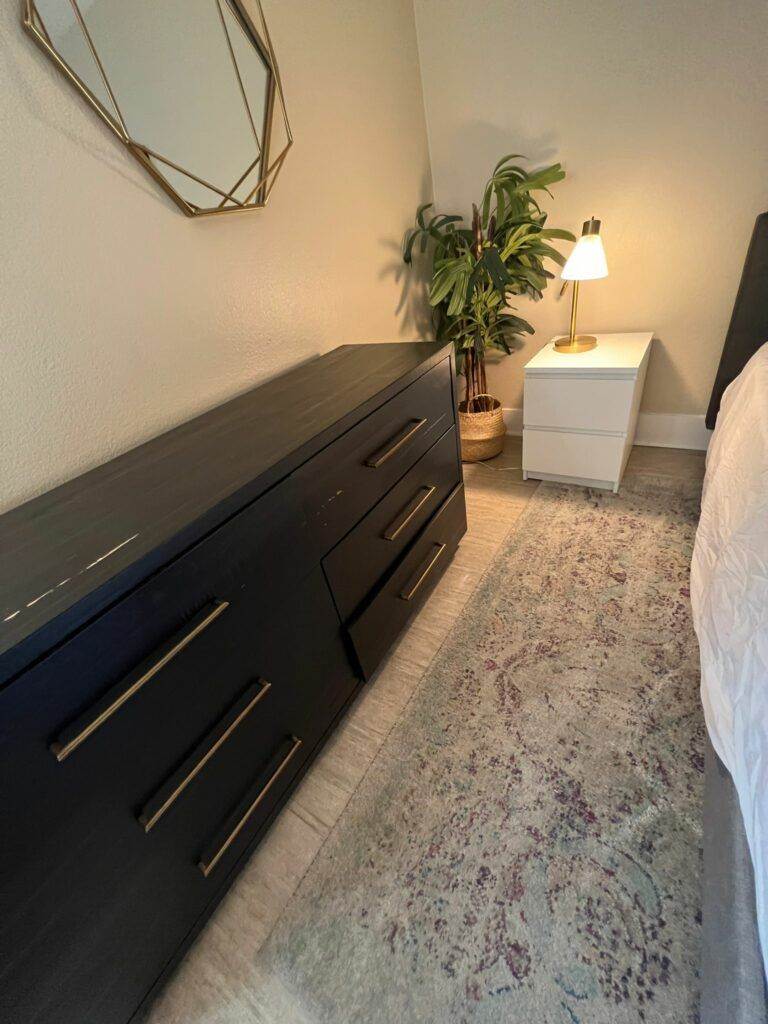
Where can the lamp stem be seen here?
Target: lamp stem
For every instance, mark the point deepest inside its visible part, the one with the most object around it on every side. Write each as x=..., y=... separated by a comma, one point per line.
x=574, y=304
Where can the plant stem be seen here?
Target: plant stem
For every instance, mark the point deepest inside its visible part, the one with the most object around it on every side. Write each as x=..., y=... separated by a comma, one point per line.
x=475, y=378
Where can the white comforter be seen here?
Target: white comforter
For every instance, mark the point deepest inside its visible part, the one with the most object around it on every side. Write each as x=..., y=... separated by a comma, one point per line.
x=729, y=592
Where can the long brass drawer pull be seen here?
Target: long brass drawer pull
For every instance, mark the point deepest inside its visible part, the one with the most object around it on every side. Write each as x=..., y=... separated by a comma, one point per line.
x=411, y=591
x=417, y=502
x=167, y=795
x=394, y=444
x=79, y=730
x=207, y=865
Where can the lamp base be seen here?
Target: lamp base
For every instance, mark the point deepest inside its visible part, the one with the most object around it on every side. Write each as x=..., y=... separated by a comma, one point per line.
x=581, y=343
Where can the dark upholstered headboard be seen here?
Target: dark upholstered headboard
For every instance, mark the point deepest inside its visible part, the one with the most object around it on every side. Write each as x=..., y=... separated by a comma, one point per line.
x=748, y=329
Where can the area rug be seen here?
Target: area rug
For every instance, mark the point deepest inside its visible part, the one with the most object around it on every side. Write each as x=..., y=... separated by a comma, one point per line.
x=526, y=846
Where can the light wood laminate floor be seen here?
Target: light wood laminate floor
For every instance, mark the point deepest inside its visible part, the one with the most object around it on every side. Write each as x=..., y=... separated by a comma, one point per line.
x=211, y=985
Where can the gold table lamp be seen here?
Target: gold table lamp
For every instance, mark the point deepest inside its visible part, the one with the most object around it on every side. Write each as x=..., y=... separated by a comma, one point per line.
x=586, y=263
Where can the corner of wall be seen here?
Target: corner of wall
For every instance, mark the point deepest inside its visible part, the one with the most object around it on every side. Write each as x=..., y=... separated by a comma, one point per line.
x=427, y=127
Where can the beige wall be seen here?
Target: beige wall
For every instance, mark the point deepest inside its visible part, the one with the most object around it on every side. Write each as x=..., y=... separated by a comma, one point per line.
x=659, y=112
x=119, y=317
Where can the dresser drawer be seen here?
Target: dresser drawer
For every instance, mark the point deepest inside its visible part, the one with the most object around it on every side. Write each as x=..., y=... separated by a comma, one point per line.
x=580, y=456
x=410, y=582
x=356, y=564
x=578, y=403
x=179, y=644
x=101, y=853
x=341, y=483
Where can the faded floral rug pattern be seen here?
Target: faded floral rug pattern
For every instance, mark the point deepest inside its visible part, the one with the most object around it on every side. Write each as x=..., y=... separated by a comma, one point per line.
x=526, y=846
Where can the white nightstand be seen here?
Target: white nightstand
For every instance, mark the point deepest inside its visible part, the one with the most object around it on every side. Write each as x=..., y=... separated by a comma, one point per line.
x=580, y=411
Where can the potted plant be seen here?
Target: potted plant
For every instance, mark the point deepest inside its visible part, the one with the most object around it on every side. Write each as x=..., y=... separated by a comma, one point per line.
x=475, y=273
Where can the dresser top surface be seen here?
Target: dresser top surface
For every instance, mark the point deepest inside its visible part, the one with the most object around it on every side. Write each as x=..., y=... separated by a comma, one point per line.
x=613, y=353
x=62, y=547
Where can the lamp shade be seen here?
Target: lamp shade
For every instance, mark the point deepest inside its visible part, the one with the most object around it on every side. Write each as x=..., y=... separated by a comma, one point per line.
x=587, y=260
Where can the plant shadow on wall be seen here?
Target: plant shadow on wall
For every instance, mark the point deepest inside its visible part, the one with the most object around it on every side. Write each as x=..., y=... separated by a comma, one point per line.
x=479, y=272
x=413, y=309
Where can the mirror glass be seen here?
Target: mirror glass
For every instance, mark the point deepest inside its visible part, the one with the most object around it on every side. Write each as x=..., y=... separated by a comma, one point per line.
x=189, y=82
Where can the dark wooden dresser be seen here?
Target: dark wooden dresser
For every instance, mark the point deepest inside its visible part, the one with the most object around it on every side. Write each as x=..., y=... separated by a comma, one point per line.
x=179, y=631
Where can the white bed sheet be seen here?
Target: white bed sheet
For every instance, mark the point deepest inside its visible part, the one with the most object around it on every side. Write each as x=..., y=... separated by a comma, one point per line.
x=729, y=593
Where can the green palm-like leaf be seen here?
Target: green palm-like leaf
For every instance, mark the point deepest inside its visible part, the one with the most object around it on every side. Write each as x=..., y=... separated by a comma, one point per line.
x=567, y=236
x=506, y=159
x=420, y=214
x=410, y=238
x=497, y=271
x=459, y=293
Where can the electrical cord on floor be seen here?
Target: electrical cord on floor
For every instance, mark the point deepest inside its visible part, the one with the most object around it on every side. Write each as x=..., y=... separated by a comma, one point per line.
x=500, y=469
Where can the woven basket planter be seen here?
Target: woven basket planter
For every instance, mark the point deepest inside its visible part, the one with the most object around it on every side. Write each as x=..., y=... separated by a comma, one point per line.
x=482, y=431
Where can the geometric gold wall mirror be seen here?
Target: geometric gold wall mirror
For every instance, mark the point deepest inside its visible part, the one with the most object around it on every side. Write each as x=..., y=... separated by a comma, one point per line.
x=190, y=87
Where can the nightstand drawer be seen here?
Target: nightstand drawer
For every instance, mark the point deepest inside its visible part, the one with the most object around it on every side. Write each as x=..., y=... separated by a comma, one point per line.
x=578, y=455
x=584, y=403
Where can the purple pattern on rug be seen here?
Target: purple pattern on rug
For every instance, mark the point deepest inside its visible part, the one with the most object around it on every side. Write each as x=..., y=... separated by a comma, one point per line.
x=527, y=844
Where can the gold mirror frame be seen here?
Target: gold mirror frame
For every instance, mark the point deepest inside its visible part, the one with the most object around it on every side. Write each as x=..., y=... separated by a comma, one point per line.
x=148, y=158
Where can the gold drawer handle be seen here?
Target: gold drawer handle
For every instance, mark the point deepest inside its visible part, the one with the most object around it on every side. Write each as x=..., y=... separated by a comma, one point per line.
x=410, y=592
x=79, y=731
x=410, y=510
x=167, y=795
x=394, y=444
x=207, y=865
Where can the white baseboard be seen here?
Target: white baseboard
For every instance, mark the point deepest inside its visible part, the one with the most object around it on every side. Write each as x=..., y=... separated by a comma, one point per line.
x=513, y=420
x=672, y=430
x=654, y=429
